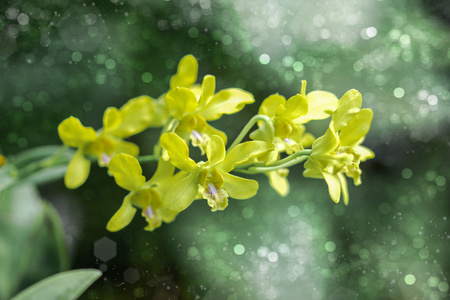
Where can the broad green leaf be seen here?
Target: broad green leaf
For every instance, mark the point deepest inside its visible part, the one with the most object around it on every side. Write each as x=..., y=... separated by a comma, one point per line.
x=26, y=157
x=32, y=241
x=46, y=175
x=63, y=286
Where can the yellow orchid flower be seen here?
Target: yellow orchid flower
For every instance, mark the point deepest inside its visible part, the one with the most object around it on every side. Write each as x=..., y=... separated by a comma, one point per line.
x=281, y=130
x=186, y=76
x=286, y=128
x=147, y=196
x=193, y=105
x=210, y=179
x=133, y=117
x=338, y=151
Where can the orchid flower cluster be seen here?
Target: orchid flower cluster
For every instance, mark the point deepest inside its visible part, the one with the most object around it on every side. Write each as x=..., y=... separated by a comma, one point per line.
x=278, y=141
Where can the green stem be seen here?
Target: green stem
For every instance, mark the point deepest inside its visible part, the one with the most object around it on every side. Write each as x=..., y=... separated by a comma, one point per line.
x=147, y=158
x=247, y=128
x=255, y=170
x=306, y=152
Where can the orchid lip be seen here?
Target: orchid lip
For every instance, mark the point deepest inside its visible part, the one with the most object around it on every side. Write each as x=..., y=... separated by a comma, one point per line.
x=212, y=190
x=289, y=141
x=196, y=135
x=105, y=158
x=149, y=212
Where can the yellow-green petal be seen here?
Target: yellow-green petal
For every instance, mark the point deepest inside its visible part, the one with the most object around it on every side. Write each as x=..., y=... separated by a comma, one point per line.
x=321, y=105
x=127, y=172
x=295, y=107
x=356, y=128
x=326, y=143
x=244, y=152
x=136, y=115
x=122, y=146
x=111, y=119
x=123, y=216
x=344, y=187
x=178, y=152
x=215, y=150
x=74, y=134
x=208, y=89
x=270, y=105
x=210, y=131
x=334, y=186
x=77, y=170
x=186, y=72
x=365, y=152
x=228, y=101
x=182, y=194
x=265, y=132
x=278, y=181
x=163, y=173
x=238, y=187
x=349, y=105
x=181, y=101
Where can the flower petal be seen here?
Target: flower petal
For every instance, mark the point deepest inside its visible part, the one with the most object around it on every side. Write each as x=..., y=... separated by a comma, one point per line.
x=365, y=152
x=123, y=216
x=238, y=187
x=136, y=115
x=210, y=131
x=349, y=105
x=122, y=146
x=178, y=152
x=163, y=173
x=228, y=101
x=74, y=134
x=356, y=128
x=181, y=101
x=127, y=172
x=186, y=73
x=270, y=105
x=278, y=181
x=77, y=170
x=182, y=194
x=321, y=105
x=244, y=152
x=208, y=89
x=265, y=132
x=326, y=143
x=215, y=150
x=111, y=119
x=344, y=187
x=295, y=107
x=334, y=186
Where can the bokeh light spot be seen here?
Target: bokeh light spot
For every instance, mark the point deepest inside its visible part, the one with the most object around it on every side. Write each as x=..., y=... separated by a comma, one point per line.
x=410, y=279
x=239, y=249
x=77, y=56
x=399, y=92
x=330, y=246
x=147, y=77
x=247, y=212
x=407, y=173
x=264, y=59
x=105, y=249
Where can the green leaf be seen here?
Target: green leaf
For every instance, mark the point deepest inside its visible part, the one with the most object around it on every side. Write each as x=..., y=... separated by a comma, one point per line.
x=32, y=241
x=63, y=286
x=46, y=175
x=28, y=156
x=6, y=178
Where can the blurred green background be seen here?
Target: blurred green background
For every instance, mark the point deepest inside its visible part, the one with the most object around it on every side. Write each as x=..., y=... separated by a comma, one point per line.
x=61, y=58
